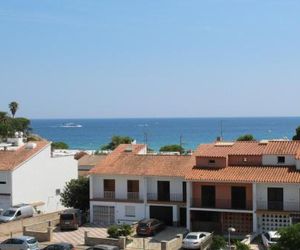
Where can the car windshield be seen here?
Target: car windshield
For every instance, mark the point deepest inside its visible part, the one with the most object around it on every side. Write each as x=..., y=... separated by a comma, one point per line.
x=66, y=216
x=191, y=237
x=9, y=213
x=31, y=241
x=143, y=224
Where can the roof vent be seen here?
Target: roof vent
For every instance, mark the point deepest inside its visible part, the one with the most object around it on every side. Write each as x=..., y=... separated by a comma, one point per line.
x=263, y=142
x=30, y=145
x=128, y=148
x=224, y=144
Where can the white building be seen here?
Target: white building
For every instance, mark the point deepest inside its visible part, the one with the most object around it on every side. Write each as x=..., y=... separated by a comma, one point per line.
x=29, y=174
x=130, y=185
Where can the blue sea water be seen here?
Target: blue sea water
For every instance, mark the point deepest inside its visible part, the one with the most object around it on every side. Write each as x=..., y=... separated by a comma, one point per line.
x=162, y=131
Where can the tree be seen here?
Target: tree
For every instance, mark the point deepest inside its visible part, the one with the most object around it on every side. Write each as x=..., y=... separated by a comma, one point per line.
x=116, y=140
x=218, y=243
x=289, y=238
x=297, y=135
x=13, y=106
x=172, y=148
x=246, y=137
x=76, y=194
x=59, y=145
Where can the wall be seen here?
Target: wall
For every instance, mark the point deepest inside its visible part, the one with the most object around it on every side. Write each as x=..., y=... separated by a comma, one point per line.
x=239, y=160
x=175, y=185
x=271, y=160
x=204, y=161
x=298, y=164
x=37, y=179
x=291, y=195
x=223, y=193
x=5, y=189
x=120, y=185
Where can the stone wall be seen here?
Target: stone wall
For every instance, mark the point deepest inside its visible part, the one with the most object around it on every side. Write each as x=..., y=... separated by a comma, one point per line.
x=92, y=241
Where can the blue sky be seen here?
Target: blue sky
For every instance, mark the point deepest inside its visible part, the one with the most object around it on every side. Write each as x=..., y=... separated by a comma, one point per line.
x=188, y=58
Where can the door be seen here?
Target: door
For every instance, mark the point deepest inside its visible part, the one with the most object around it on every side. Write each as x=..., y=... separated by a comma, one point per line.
x=162, y=213
x=103, y=215
x=163, y=190
x=275, y=198
x=182, y=213
x=238, y=197
x=208, y=196
x=5, y=201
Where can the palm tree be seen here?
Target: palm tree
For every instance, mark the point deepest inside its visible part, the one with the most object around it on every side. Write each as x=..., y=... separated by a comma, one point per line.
x=13, y=106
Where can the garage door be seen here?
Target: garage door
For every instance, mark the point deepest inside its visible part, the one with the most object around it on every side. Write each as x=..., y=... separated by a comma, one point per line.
x=162, y=213
x=4, y=201
x=103, y=215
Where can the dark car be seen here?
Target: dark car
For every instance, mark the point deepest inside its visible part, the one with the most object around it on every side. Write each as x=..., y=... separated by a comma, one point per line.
x=149, y=227
x=103, y=247
x=60, y=246
x=71, y=219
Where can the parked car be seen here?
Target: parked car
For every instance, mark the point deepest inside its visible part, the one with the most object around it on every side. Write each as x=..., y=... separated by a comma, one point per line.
x=270, y=238
x=59, y=246
x=17, y=212
x=193, y=240
x=20, y=243
x=103, y=247
x=71, y=219
x=149, y=227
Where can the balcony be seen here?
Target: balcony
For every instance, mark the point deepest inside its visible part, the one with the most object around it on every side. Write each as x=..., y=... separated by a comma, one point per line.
x=278, y=206
x=222, y=204
x=126, y=197
x=165, y=198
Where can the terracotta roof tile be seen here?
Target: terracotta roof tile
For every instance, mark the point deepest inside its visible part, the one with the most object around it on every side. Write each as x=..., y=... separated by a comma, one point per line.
x=90, y=160
x=241, y=174
x=10, y=160
x=126, y=163
x=282, y=148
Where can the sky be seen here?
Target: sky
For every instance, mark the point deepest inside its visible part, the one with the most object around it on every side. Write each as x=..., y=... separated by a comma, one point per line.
x=158, y=58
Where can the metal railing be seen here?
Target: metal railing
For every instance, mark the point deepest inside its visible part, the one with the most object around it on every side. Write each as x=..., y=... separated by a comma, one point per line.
x=278, y=205
x=222, y=204
x=133, y=196
x=110, y=195
x=171, y=197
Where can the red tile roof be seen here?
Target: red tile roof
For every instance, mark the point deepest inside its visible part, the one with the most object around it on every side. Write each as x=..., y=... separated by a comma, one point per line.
x=282, y=148
x=120, y=162
x=90, y=160
x=9, y=160
x=242, y=174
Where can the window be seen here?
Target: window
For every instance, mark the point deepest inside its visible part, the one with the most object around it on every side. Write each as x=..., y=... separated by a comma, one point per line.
x=109, y=185
x=57, y=191
x=275, y=199
x=208, y=196
x=238, y=197
x=132, y=186
x=211, y=161
x=130, y=211
x=2, y=182
x=281, y=159
x=19, y=213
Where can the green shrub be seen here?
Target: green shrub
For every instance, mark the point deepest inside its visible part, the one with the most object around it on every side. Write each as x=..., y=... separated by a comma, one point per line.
x=113, y=231
x=218, y=243
x=241, y=246
x=125, y=230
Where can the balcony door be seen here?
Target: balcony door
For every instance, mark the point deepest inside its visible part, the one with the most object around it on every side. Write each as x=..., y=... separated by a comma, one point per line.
x=163, y=190
x=208, y=196
x=275, y=198
x=238, y=197
x=109, y=188
x=132, y=189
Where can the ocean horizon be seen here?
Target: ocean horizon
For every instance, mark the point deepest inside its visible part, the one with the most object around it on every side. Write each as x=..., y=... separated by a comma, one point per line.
x=92, y=133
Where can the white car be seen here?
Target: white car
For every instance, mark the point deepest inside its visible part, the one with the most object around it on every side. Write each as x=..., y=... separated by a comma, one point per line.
x=193, y=240
x=20, y=243
x=270, y=238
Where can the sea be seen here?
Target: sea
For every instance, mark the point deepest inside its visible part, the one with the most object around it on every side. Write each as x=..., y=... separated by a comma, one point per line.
x=91, y=134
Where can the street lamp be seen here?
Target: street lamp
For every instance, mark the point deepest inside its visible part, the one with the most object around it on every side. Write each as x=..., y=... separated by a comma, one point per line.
x=230, y=230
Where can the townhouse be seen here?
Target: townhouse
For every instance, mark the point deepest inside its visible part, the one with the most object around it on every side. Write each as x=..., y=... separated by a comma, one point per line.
x=87, y=162
x=30, y=174
x=251, y=186
x=130, y=185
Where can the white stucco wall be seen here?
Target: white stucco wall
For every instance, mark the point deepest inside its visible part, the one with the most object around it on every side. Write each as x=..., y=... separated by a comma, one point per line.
x=120, y=185
x=291, y=195
x=273, y=161
x=5, y=189
x=38, y=179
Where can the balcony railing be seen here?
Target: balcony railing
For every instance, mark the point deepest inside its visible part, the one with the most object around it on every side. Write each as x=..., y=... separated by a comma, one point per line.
x=278, y=206
x=110, y=195
x=133, y=196
x=172, y=197
x=222, y=204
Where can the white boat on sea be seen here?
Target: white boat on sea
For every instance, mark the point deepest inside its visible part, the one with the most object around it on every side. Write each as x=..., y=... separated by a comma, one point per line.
x=70, y=125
